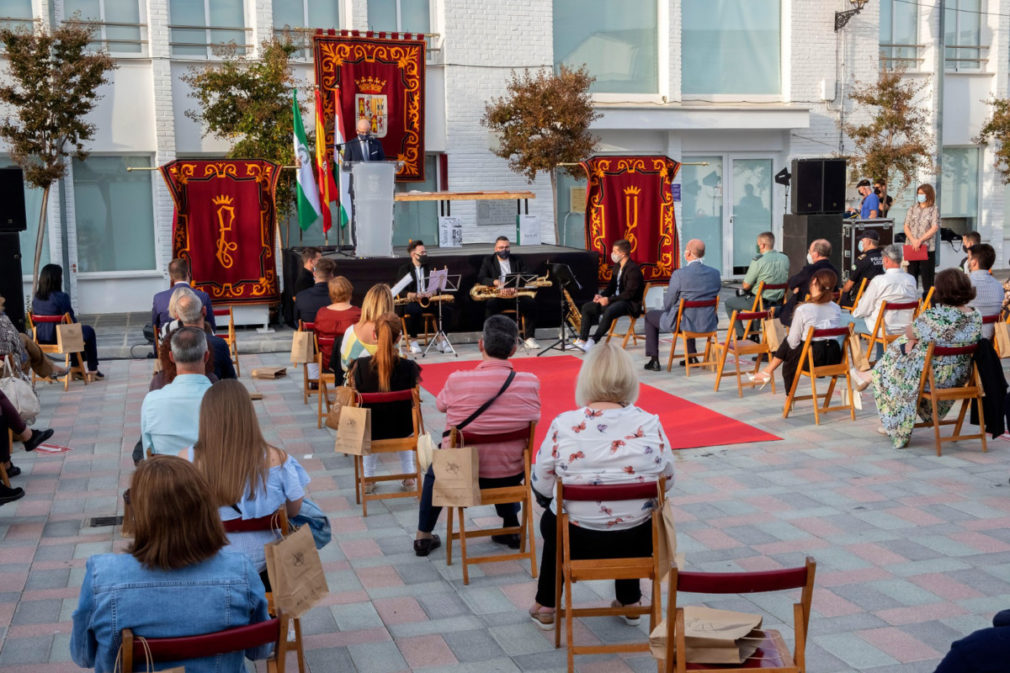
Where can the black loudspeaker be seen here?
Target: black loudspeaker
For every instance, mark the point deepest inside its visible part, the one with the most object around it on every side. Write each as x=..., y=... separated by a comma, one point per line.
x=818, y=186
x=799, y=231
x=12, y=200
x=10, y=279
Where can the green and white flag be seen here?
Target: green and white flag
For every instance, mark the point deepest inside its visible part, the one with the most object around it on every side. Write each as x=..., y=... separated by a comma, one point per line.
x=343, y=180
x=308, y=192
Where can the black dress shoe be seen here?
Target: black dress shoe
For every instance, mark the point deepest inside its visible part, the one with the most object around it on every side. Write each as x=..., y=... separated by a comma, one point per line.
x=8, y=494
x=424, y=546
x=653, y=365
x=12, y=470
x=511, y=540
x=693, y=361
x=38, y=436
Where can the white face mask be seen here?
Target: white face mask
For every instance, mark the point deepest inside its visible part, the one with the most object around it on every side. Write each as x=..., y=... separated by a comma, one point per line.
x=810, y=258
x=615, y=257
x=921, y=198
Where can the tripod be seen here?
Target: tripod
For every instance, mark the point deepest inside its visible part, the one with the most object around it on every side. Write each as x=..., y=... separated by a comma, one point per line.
x=562, y=276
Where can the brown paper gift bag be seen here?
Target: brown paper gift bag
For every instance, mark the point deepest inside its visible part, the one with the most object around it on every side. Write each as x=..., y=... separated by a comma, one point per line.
x=456, y=474
x=70, y=338
x=269, y=373
x=296, y=573
x=1001, y=338
x=303, y=348
x=354, y=431
x=859, y=359
x=775, y=331
x=712, y=636
x=344, y=398
x=667, y=551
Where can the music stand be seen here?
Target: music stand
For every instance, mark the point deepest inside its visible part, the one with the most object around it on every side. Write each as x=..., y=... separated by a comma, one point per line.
x=451, y=285
x=561, y=275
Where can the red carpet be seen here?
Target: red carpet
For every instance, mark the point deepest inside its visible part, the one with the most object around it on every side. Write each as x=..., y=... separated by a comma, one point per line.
x=687, y=425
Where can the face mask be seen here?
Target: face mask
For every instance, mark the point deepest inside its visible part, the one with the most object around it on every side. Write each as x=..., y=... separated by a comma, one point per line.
x=422, y=259
x=921, y=198
x=757, y=249
x=876, y=190
x=810, y=258
x=502, y=254
x=615, y=257
x=362, y=136
x=860, y=246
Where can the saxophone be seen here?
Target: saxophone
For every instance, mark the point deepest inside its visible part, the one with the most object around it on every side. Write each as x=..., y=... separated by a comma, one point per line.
x=423, y=300
x=573, y=316
x=485, y=292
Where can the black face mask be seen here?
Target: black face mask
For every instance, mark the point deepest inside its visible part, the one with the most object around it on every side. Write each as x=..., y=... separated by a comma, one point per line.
x=362, y=136
x=876, y=190
x=422, y=259
x=502, y=254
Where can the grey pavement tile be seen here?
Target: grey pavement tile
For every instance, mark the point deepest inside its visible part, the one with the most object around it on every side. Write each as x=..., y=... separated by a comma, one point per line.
x=935, y=633
x=329, y=660
x=443, y=605
x=522, y=638
x=476, y=645
x=47, y=579
x=33, y=650
x=466, y=622
x=356, y=616
x=845, y=624
x=380, y=657
x=866, y=597
x=37, y=612
x=853, y=650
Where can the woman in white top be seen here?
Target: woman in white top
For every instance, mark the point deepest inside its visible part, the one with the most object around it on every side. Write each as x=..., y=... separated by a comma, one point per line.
x=607, y=440
x=818, y=312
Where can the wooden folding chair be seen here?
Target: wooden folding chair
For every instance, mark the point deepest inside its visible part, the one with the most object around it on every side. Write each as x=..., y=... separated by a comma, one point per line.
x=740, y=347
x=149, y=651
x=307, y=389
x=33, y=320
x=633, y=319
x=971, y=390
x=772, y=653
x=859, y=295
x=879, y=333
x=521, y=493
x=277, y=522
x=569, y=570
x=709, y=337
x=927, y=303
x=813, y=372
x=229, y=334
x=379, y=446
x=326, y=379
x=4, y=479
x=762, y=287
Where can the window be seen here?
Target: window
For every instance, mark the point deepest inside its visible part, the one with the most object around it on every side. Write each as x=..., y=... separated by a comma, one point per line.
x=33, y=207
x=731, y=47
x=115, y=214
x=898, y=34
x=418, y=219
x=963, y=35
x=298, y=20
x=572, y=209
x=617, y=42
x=959, y=185
x=200, y=25
x=702, y=204
x=15, y=13
x=399, y=16
x=119, y=26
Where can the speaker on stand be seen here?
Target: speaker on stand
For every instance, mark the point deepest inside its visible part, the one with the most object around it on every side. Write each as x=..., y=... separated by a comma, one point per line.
x=12, y=220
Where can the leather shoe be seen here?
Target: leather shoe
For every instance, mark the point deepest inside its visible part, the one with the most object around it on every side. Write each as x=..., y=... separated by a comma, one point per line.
x=12, y=470
x=653, y=365
x=38, y=436
x=424, y=546
x=8, y=494
x=511, y=540
x=693, y=361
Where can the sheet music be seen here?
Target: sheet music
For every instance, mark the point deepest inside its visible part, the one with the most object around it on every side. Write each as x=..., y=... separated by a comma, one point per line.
x=402, y=283
x=436, y=280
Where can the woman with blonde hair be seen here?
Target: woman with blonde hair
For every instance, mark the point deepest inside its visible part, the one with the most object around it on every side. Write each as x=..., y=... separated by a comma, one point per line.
x=333, y=320
x=248, y=477
x=360, y=339
x=382, y=372
x=175, y=579
x=605, y=441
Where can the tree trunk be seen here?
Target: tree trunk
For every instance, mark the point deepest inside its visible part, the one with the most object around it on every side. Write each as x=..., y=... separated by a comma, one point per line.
x=40, y=236
x=554, y=203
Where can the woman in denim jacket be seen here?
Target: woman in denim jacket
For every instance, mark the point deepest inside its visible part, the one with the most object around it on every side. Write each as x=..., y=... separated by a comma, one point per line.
x=176, y=579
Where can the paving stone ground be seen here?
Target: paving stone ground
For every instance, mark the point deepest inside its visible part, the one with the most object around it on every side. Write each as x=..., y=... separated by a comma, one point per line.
x=913, y=550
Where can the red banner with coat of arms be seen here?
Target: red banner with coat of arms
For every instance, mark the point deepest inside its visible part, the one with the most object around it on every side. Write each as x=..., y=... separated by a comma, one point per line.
x=382, y=80
x=224, y=226
x=631, y=197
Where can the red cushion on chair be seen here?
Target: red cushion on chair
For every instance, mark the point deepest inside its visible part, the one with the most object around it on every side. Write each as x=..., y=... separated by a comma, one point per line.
x=832, y=332
x=905, y=306
x=470, y=439
x=209, y=644
x=699, y=304
x=385, y=398
x=610, y=492
x=47, y=318
x=753, y=315
x=741, y=583
x=954, y=350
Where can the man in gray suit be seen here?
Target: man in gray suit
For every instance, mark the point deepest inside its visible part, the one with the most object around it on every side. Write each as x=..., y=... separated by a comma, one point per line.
x=693, y=282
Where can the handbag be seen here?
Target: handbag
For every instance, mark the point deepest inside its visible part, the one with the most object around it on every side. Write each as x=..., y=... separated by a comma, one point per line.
x=319, y=524
x=20, y=393
x=912, y=254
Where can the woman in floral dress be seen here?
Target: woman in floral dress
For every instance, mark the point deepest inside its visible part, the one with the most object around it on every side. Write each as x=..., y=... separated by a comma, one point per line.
x=895, y=377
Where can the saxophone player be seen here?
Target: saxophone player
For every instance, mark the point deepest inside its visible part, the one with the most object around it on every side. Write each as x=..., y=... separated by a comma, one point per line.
x=623, y=296
x=493, y=271
x=417, y=269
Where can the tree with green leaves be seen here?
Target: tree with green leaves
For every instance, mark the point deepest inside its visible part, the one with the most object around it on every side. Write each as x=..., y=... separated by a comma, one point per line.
x=247, y=101
x=997, y=129
x=52, y=86
x=543, y=121
x=896, y=143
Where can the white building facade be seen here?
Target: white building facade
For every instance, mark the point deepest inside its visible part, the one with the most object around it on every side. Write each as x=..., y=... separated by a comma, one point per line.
x=735, y=89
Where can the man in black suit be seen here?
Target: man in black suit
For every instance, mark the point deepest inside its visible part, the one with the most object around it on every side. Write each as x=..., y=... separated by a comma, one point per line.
x=623, y=296
x=364, y=147
x=178, y=273
x=799, y=285
x=493, y=271
x=308, y=302
x=417, y=268
x=310, y=256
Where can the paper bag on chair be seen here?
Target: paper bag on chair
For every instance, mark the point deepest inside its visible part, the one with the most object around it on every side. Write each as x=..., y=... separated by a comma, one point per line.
x=711, y=636
x=1001, y=338
x=354, y=431
x=775, y=331
x=303, y=348
x=859, y=359
x=269, y=373
x=667, y=551
x=344, y=398
x=456, y=473
x=296, y=573
x=70, y=338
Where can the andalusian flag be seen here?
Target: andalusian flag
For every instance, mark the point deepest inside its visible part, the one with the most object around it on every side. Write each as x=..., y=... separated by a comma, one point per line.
x=343, y=180
x=308, y=194
x=324, y=173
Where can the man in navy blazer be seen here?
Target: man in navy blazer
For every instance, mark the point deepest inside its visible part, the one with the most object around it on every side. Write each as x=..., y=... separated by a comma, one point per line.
x=364, y=147
x=178, y=272
x=693, y=282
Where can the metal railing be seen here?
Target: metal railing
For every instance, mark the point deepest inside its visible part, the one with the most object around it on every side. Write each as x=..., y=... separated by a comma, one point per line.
x=16, y=21
x=895, y=56
x=302, y=38
x=216, y=39
x=971, y=58
x=124, y=43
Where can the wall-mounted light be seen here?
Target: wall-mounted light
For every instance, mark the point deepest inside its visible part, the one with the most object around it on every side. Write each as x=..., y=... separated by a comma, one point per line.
x=842, y=18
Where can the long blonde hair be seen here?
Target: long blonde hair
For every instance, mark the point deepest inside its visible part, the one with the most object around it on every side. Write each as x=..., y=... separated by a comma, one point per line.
x=230, y=449
x=378, y=300
x=387, y=329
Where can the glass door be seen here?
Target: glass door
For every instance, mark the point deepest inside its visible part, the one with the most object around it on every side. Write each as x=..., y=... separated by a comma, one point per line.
x=702, y=206
x=750, y=208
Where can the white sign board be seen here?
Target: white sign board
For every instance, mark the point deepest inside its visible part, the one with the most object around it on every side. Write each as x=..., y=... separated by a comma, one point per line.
x=529, y=230
x=450, y=232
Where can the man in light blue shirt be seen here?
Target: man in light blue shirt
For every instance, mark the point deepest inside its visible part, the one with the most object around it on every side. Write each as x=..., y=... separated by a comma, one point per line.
x=988, y=291
x=170, y=417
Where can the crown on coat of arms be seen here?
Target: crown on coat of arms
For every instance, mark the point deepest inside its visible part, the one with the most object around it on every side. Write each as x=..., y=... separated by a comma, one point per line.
x=632, y=191
x=370, y=84
x=223, y=200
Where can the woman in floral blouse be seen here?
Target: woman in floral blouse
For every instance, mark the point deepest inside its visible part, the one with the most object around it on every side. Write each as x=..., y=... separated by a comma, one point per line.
x=607, y=440
x=921, y=224
x=895, y=377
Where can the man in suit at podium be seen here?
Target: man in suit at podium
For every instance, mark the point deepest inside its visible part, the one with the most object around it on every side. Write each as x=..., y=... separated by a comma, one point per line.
x=364, y=147
x=493, y=271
